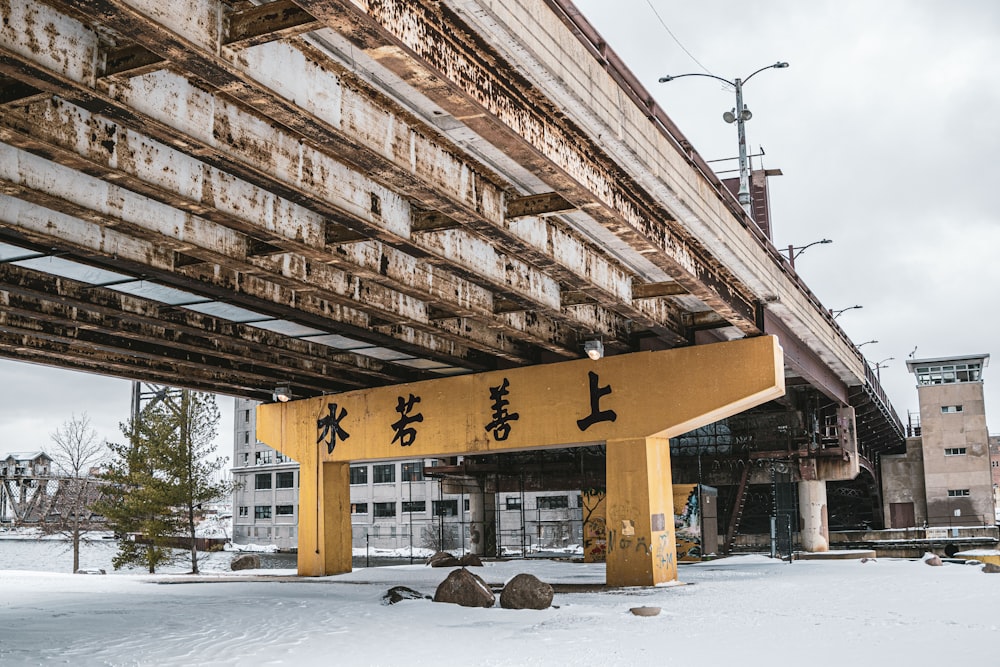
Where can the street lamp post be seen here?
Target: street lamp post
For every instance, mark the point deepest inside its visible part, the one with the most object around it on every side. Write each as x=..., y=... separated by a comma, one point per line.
x=795, y=251
x=837, y=313
x=739, y=115
x=879, y=365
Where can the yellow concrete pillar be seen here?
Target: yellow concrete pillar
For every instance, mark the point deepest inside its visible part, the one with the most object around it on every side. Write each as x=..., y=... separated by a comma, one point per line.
x=640, y=513
x=324, y=520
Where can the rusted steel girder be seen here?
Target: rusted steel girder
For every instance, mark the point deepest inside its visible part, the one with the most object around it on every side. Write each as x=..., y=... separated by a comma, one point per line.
x=435, y=52
x=28, y=295
x=438, y=177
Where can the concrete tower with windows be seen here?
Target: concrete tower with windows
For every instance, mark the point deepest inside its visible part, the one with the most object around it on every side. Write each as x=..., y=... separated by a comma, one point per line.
x=945, y=477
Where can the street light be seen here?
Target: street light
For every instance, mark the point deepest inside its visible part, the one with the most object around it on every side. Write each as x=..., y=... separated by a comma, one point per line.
x=740, y=114
x=879, y=365
x=838, y=313
x=795, y=251
x=867, y=342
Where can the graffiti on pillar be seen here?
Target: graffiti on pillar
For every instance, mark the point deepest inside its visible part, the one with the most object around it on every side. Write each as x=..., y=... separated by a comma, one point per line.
x=405, y=434
x=596, y=414
x=595, y=528
x=330, y=429
x=663, y=554
x=642, y=547
x=501, y=415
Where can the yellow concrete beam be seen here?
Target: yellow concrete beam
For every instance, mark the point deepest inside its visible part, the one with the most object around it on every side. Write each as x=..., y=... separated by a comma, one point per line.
x=634, y=402
x=662, y=393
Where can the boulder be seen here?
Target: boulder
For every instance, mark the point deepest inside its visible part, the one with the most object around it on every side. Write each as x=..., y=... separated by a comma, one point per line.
x=991, y=568
x=470, y=560
x=526, y=591
x=245, y=562
x=443, y=559
x=400, y=593
x=464, y=588
x=933, y=560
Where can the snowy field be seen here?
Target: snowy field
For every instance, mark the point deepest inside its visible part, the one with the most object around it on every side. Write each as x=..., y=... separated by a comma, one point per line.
x=745, y=610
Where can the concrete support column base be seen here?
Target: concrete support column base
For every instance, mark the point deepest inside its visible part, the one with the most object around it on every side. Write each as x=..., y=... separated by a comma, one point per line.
x=324, y=519
x=641, y=549
x=482, y=523
x=815, y=530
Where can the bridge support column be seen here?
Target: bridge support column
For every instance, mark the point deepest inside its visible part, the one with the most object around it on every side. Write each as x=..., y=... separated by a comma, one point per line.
x=640, y=513
x=482, y=523
x=814, y=529
x=324, y=519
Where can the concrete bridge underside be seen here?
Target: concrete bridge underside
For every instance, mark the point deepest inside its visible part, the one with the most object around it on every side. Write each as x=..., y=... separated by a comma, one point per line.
x=337, y=194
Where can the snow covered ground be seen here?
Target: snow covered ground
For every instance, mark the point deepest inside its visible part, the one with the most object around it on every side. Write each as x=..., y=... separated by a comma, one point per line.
x=746, y=610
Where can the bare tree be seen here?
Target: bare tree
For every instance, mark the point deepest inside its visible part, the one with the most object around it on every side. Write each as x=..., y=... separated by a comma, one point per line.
x=77, y=452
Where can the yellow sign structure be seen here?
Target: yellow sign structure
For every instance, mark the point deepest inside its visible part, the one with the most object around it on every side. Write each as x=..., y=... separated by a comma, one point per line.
x=632, y=402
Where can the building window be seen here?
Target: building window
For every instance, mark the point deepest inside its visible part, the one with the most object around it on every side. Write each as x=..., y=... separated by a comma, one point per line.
x=954, y=451
x=949, y=373
x=284, y=510
x=359, y=508
x=553, y=502
x=951, y=408
x=359, y=474
x=262, y=512
x=262, y=480
x=384, y=473
x=280, y=458
x=412, y=472
x=465, y=505
x=244, y=511
x=246, y=416
x=263, y=458
x=957, y=493
x=246, y=458
x=444, y=507
x=384, y=510
x=246, y=437
x=513, y=503
x=284, y=480
x=414, y=506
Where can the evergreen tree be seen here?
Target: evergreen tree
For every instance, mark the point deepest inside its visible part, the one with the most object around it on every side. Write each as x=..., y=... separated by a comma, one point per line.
x=191, y=463
x=141, y=495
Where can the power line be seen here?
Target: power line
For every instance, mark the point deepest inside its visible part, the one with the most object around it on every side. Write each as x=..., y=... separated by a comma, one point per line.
x=674, y=37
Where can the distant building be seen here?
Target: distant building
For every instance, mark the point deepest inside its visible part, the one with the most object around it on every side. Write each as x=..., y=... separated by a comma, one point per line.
x=393, y=504
x=23, y=482
x=946, y=477
x=26, y=464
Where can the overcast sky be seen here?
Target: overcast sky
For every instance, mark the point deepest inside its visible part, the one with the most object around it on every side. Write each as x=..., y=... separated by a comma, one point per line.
x=885, y=126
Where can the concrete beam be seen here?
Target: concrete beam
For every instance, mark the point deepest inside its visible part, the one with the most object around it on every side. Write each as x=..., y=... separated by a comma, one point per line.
x=257, y=77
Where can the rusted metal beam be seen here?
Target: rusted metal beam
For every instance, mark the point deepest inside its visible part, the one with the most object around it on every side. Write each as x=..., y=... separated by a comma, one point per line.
x=237, y=79
x=130, y=60
x=656, y=290
x=13, y=90
x=544, y=204
x=267, y=22
x=426, y=44
x=70, y=303
x=432, y=221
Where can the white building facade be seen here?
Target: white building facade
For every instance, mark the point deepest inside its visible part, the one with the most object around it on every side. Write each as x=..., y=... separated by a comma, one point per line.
x=393, y=505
